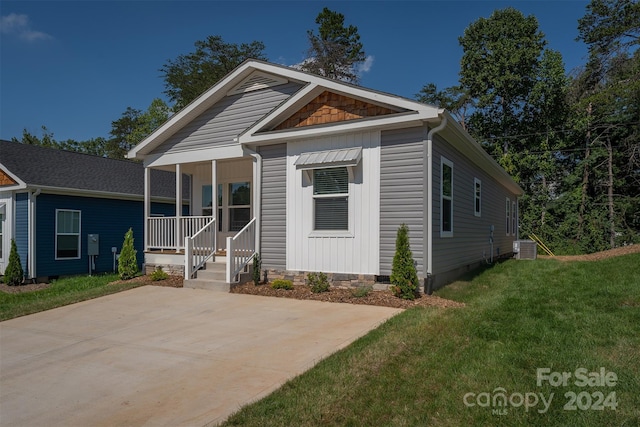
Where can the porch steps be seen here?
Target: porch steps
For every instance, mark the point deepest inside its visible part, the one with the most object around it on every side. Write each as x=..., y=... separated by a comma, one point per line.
x=212, y=277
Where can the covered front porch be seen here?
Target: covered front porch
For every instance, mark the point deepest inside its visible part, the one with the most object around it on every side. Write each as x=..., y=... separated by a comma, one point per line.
x=216, y=217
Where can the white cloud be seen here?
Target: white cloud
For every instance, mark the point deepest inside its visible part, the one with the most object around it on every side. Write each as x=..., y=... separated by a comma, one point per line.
x=365, y=67
x=19, y=25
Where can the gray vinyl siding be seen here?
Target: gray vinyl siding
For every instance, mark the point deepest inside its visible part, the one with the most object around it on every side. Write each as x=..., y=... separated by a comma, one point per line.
x=224, y=121
x=470, y=242
x=402, y=171
x=274, y=206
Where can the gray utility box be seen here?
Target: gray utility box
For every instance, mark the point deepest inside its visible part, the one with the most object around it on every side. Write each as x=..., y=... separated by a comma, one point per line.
x=93, y=244
x=525, y=249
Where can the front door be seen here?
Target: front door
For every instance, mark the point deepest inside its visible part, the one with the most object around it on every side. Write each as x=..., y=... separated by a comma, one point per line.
x=234, y=209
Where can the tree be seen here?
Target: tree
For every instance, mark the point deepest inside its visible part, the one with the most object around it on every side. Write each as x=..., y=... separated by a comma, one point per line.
x=127, y=262
x=454, y=99
x=335, y=51
x=134, y=126
x=404, y=277
x=498, y=69
x=13, y=274
x=188, y=76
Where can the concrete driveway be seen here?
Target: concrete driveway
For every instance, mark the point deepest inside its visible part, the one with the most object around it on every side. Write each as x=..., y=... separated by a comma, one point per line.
x=155, y=356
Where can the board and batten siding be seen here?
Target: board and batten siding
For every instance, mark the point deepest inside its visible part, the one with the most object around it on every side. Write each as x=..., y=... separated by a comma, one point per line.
x=355, y=251
x=273, y=239
x=220, y=124
x=470, y=242
x=402, y=169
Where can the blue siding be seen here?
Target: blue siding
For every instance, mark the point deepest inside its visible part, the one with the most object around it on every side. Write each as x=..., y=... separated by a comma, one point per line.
x=108, y=218
x=22, y=228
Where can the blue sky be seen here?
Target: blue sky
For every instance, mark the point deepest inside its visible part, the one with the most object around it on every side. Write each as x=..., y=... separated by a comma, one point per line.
x=75, y=66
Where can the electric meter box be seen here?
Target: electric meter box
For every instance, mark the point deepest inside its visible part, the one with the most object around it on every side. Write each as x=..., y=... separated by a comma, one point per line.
x=93, y=244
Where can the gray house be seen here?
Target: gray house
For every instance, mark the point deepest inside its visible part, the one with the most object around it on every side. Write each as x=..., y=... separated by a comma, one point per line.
x=317, y=175
x=67, y=211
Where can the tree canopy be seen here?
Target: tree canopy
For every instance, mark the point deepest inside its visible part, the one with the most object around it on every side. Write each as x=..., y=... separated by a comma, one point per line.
x=335, y=50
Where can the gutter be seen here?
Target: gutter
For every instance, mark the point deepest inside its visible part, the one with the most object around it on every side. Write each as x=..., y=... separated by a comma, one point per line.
x=31, y=252
x=429, y=203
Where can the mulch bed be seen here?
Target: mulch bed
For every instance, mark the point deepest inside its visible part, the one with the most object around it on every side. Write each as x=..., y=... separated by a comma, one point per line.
x=379, y=298
x=597, y=256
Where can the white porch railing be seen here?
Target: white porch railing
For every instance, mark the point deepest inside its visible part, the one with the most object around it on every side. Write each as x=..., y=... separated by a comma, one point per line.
x=199, y=248
x=241, y=249
x=161, y=231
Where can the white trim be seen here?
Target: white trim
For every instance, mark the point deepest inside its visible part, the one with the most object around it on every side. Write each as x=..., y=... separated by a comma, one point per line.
x=507, y=215
x=445, y=233
x=20, y=184
x=513, y=217
x=477, y=197
x=55, y=244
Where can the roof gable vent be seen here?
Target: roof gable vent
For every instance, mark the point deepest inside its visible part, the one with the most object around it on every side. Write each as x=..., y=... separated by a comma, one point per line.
x=256, y=81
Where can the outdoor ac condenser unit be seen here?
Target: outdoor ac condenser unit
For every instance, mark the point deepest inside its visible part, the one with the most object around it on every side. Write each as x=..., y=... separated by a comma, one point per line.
x=525, y=249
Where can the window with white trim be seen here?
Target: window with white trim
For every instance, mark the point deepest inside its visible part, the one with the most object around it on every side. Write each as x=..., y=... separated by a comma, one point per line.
x=67, y=234
x=477, y=197
x=508, y=215
x=239, y=205
x=331, y=199
x=513, y=218
x=446, y=197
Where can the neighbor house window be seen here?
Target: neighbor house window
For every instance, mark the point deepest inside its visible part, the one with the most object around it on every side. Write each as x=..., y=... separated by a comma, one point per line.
x=239, y=205
x=67, y=234
x=331, y=199
x=446, y=198
x=477, y=197
x=207, y=204
x=513, y=218
x=508, y=215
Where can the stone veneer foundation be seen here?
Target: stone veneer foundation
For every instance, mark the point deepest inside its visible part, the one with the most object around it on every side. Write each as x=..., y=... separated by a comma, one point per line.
x=338, y=280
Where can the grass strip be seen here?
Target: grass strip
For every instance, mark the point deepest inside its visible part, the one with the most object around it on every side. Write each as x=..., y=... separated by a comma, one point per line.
x=62, y=292
x=520, y=316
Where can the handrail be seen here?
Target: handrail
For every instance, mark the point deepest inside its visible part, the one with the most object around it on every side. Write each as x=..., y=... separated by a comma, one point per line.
x=241, y=249
x=199, y=248
x=541, y=244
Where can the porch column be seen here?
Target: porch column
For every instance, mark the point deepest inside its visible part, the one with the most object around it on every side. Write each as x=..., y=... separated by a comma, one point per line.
x=179, y=236
x=147, y=206
x=214, y=199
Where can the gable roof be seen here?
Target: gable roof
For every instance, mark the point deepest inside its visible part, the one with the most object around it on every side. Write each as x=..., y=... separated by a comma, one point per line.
x=32, y=166
x=254, y=74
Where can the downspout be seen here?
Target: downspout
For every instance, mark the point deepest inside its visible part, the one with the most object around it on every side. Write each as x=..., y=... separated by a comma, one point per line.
x=257, y=192
x=429, y=226
x=31, y=257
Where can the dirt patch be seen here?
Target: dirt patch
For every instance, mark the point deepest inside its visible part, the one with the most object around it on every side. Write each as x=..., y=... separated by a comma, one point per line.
x=379, y=298
x=597, y=256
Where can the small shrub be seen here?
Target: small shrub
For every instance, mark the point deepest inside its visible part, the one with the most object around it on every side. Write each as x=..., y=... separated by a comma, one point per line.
x=282, y=284
x=158, y=274
x=14, y=273
x=361, y=291
x=257, y=266
x=127, y=263
x=318, y=282
x=404, y=277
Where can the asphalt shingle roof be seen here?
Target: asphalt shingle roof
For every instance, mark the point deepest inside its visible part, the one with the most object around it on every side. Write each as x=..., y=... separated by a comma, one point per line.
x=50, y=167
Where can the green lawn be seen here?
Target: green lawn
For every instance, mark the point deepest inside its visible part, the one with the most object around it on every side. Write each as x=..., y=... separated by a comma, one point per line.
x=61, y=292
x=521, y=316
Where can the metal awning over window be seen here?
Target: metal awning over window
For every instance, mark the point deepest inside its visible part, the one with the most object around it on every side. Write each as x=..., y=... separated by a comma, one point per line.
x=329, y=159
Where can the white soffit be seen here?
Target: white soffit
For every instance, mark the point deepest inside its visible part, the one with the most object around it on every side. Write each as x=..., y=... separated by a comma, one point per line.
x=329, y=159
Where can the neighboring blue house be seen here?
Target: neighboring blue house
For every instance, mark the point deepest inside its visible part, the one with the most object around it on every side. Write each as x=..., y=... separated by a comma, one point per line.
x=52, y=200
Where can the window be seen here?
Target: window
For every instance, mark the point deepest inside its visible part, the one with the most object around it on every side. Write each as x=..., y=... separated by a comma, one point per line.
x=446, y=198
x=239, y=205
x=67, y=234
x=508, y=215
x=514, y=216
x=331, y=199
x=477, y=197
x=207, y=203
